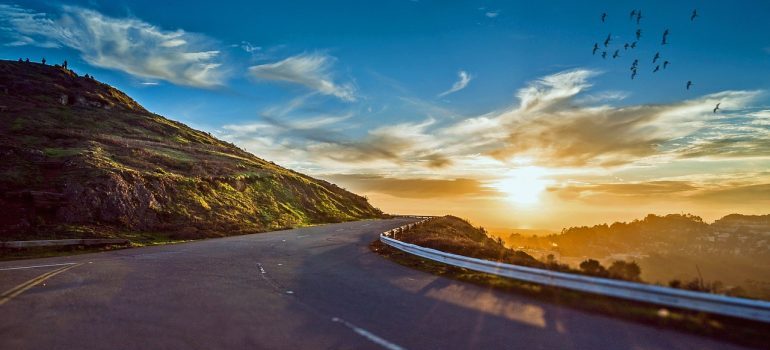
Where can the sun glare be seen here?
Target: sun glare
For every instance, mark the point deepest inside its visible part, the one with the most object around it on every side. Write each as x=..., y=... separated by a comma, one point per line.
x=523, y=185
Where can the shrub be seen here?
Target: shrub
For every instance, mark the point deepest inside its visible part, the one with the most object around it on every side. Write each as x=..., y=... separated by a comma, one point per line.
x=629, y=271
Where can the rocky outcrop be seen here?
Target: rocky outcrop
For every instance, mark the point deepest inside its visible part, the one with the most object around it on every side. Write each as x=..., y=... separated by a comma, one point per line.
x=111, y=199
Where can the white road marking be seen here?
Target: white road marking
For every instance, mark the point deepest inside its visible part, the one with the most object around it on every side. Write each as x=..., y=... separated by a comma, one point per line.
x=289, y=292
x=34, y=267
x=368, y=335
x=261, y=269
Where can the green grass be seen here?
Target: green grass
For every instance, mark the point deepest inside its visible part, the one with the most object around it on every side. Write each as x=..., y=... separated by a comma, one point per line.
x=62, y=152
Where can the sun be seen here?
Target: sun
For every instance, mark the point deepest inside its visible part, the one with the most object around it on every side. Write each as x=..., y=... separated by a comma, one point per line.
x=523, y=185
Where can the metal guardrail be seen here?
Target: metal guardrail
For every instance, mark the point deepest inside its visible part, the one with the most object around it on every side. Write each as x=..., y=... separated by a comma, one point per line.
x=61, y=242
x=756, y=310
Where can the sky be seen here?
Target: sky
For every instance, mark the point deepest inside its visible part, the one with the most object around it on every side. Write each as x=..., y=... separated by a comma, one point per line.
x=495, y=111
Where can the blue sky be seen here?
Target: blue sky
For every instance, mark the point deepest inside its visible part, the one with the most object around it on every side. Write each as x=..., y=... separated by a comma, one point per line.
x=392, y=93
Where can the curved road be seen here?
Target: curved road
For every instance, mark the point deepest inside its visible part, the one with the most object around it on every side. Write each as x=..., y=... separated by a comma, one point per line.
x=311, y=288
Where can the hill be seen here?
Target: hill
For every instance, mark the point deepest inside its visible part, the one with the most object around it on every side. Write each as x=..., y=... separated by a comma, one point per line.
x=735, y=234
x=83, y=159
x=734, y=250
x=454, y=235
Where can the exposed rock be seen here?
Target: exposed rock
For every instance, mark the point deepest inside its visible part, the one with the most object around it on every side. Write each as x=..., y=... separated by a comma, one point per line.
x=111, y=199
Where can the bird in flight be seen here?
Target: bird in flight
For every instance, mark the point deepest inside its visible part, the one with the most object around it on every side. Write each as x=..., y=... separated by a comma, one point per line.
x=657, y=56
x=636, y=63
x=657, y=68
x=625, y=47
x=633, y=45
x=596, y=48
x=633, y=74
x=694, y=14
x=607, y=41
x=604, y=16
x=665, y=64
x=616, y=54
x=638, y=16
x=665, y=37
x=717, y=107
x=638, y=34
x=604, y=54
x=689, y=83
x=633, y=13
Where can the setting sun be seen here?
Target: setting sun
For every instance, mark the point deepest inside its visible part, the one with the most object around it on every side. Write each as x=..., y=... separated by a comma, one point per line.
x=523, y=185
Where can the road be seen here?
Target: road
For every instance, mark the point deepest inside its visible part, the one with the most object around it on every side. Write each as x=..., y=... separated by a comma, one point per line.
x=310, y=288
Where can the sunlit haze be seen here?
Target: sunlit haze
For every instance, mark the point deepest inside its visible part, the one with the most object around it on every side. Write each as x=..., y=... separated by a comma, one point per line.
x=498, y=112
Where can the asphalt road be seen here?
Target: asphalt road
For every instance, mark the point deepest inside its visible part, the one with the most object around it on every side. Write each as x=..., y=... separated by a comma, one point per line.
x=310, y=288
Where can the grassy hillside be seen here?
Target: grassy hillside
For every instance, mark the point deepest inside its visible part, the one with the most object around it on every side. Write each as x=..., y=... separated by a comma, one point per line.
x=82, y=159
x=454, y=235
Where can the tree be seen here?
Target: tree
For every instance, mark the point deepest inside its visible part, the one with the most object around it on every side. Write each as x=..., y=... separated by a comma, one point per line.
x=625, y=270
x=593, y=267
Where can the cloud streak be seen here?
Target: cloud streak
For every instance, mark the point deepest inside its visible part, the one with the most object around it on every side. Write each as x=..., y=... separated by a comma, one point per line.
x=413, y=188
x=755, y=192
x=464, y=80
x=552, y=125
x=124, y=44
x=309, y=70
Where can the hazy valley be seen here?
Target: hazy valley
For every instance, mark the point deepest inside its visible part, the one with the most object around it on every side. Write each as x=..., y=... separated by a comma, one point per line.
x=734, y=250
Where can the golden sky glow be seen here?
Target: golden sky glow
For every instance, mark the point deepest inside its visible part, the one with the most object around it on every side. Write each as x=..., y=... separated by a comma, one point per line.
x=554, y=158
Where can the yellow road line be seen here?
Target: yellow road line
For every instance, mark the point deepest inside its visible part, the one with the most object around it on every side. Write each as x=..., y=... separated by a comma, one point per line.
x=15, y=291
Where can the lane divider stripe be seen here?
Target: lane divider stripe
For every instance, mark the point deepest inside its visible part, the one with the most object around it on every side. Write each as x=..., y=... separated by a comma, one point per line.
x=15, y=291
x=368, y=335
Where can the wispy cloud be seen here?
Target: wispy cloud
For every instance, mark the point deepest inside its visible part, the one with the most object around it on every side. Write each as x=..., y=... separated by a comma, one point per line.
x=551, y=125
x=751, y=193
x=248, y=47
x=492, y=14
x=412, y=188
x=125, y=44
x=312, y=71
x=464, y=79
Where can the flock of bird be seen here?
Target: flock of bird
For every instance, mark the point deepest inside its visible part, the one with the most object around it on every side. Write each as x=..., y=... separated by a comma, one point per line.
x=658, y=61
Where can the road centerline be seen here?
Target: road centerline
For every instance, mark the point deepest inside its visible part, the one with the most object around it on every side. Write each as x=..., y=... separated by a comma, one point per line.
x=21, y=288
